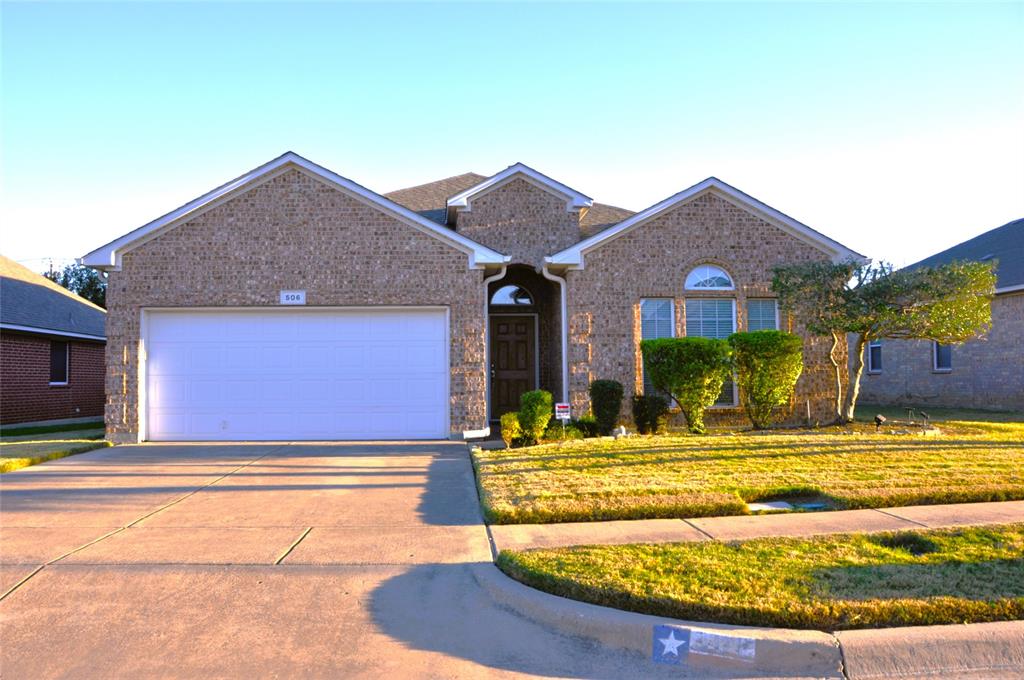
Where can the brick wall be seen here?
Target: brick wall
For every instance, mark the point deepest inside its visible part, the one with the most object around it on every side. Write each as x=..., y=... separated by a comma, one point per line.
x=294, y=232
x=521, y=220
x=987, y=373
x=653, y=261
x=25, y=391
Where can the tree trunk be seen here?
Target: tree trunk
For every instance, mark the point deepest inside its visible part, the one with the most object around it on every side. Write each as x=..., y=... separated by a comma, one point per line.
x=838, y=414
x=856, y=372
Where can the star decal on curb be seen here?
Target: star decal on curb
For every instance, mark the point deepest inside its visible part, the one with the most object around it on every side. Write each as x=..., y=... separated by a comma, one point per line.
x=670, y=644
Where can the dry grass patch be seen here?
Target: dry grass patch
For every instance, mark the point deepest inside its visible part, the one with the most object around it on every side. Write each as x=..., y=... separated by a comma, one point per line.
x=694, y=476
x=828, y=583
x=18, y=455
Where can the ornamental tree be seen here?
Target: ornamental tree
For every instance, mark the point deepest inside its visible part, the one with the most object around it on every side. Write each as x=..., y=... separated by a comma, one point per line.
x=691, y=370
x=768, y=364
x=950, y=304
x=84, y=281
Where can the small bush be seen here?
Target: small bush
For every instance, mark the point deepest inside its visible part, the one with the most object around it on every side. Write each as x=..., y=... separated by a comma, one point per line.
x=767, y=365
x=555, y=433
x=587, y=425
x=511, y=433
x=650, y=413
x=691, y=369
x=606, y=402
x=535, y=412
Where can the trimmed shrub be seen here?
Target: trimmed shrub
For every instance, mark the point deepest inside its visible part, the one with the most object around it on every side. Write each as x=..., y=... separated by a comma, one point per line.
x=691, y=369
x=767, y=365
x=535, y=410
x=606, y=402
x=650, y=413
x=554, y=433
x=511, y=433
x=587, y=425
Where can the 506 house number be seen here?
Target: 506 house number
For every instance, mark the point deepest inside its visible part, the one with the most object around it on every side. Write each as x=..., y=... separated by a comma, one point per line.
x=293, y=297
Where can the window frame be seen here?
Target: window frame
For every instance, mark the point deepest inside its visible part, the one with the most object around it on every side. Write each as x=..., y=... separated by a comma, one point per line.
x=735, y=388
x=868, y=363
x=775, y=303
x=686, y=279
x=512, y=305
x=672, y=329
x=67, y=364
x=935, y=359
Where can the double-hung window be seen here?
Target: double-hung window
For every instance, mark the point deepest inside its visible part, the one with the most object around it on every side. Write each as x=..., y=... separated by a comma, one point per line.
x=762, y=315
x=657, y=320
x=713, y=318
x=60, y=362
x=874, y=353
x=942, y=357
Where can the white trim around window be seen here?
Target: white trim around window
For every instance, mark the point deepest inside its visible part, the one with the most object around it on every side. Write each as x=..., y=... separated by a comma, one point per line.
x=874, y=366
x=661, y=327
x=936, y=368
x=732, y=307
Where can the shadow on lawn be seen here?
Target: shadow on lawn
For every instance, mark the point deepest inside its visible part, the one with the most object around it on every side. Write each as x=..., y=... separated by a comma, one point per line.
x=982, y=581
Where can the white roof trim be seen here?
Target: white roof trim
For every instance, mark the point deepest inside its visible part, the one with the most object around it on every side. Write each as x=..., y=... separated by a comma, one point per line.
x=50, y=331
x=109, y=255
x=1010, y=289
x=574, y=199
x=574, y=255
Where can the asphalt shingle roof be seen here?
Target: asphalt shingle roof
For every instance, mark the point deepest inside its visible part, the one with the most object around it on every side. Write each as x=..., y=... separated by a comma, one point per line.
x=31, y=299
x=431, y=201
x=1005, y=244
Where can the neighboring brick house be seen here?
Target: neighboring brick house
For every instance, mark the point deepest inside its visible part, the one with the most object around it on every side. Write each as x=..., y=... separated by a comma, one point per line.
x=51, y=350
x=293, y=303
x=987, y=373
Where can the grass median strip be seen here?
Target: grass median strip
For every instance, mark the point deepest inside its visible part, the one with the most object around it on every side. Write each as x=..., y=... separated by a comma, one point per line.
x=680, y=476
x=23, y=454
x=828, y=583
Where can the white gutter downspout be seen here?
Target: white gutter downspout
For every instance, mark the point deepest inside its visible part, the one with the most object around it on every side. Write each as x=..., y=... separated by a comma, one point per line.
x=487, y=341
x=565, y=330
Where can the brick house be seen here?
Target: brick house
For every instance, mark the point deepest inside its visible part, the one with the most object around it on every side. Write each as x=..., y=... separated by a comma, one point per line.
x=293, y=303
x=51, y=350
x=987, y=373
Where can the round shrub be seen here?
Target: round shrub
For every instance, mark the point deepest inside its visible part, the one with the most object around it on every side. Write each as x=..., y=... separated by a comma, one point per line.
x=606, y=403
x=535, y=412
x=650, y=413
x=556, y=433
x=511, y=433
x=691, y=369
x=587, y=425
x=767, y=365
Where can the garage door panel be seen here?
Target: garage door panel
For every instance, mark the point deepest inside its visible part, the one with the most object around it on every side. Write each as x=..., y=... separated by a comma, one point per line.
x=302, y=374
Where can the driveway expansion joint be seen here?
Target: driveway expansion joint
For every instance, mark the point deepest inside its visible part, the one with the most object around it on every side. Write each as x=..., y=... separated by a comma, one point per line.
x=294, y=545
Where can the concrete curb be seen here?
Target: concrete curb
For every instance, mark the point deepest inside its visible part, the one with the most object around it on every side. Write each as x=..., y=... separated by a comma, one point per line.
x=713, y=647
x=981, y=650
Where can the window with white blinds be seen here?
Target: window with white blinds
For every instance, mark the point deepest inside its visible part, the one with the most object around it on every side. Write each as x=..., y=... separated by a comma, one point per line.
x=657, y=320
x=713, y=319
x=761, y=315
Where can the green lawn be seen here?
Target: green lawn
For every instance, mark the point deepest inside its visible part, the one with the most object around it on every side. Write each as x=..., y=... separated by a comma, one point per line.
x=17, y=455
x=691, y=476
x=828, y=583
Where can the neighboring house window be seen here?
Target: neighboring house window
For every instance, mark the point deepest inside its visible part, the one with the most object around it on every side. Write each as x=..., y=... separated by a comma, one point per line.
x=709, y=277
x=60, y=364
x=511, y=295
x=762, y=315
x=875, y=356
x=942, y=357
x=713, y=319
x=657, y=320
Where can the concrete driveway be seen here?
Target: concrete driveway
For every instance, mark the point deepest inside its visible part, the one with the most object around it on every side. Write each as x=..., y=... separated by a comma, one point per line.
x=263, y=560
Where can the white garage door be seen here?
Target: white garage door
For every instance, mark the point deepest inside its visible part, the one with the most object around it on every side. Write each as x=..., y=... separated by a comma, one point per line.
x=284, y=374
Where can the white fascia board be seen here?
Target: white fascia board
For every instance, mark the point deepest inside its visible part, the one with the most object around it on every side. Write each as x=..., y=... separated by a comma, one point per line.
x=50, y=331
x=1010, y=289
x=574, y=199
x=573, y=256
x=109, y=255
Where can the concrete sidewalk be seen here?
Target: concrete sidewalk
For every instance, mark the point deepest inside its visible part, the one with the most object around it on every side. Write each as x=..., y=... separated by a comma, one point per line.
x=525, y=536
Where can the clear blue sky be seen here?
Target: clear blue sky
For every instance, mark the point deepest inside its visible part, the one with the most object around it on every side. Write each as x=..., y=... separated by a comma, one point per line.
x=897, y=129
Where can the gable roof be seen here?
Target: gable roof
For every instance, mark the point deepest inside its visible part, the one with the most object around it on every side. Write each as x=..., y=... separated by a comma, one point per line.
x=574, y=199
x=1005, y=244
x=573, y=256
x=31, y=302
x=108, y=256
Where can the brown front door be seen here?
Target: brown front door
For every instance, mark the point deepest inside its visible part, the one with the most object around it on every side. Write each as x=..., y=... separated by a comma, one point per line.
x=513, y=361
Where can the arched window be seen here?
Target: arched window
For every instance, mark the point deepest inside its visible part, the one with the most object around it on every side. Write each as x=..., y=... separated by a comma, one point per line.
x=709, y=277
x=511, y=295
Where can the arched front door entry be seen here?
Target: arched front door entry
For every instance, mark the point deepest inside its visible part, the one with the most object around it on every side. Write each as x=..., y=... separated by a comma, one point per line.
x=513, y=333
